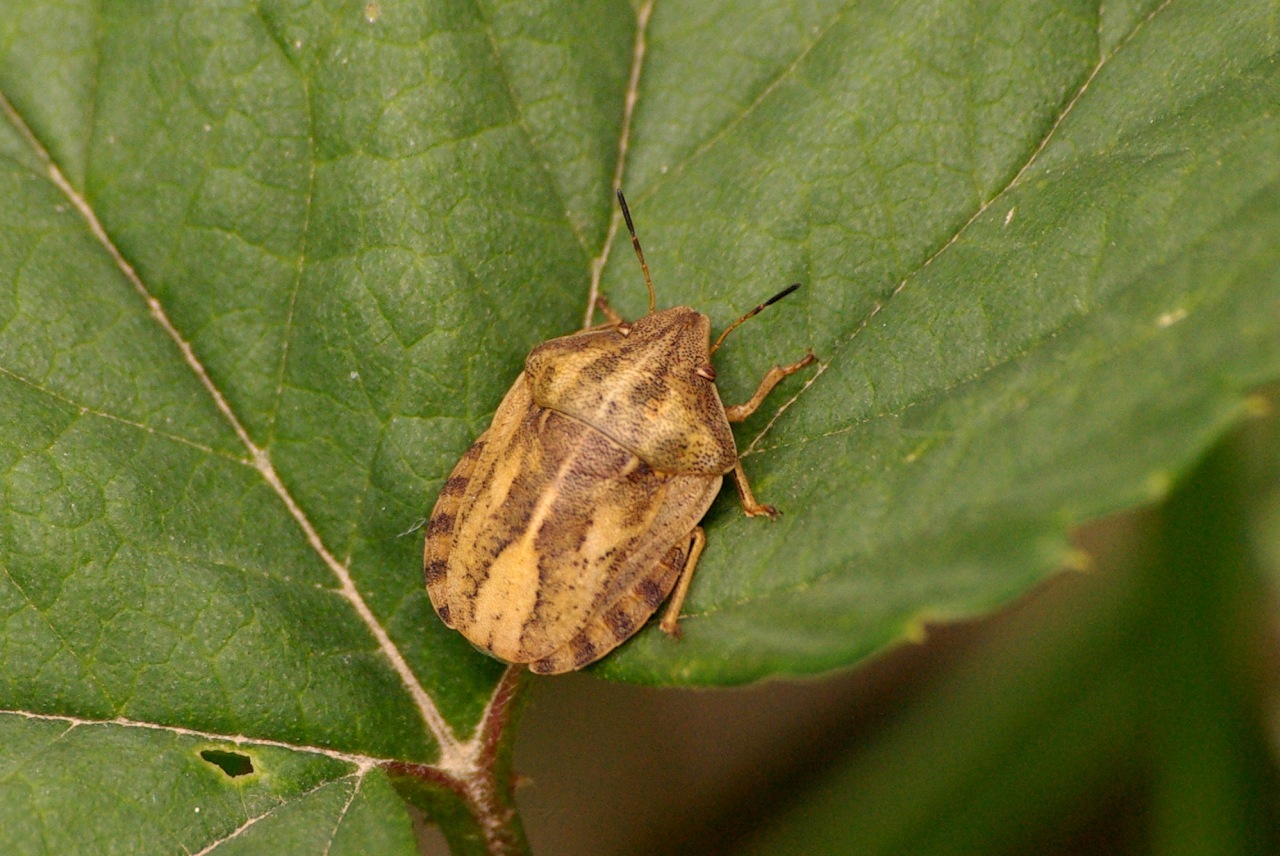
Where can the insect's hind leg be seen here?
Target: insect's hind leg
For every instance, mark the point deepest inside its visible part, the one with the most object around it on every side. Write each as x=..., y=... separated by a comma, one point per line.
x=670, y=619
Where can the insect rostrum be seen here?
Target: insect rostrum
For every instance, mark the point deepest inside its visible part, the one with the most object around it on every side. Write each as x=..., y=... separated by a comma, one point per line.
x=570, y=520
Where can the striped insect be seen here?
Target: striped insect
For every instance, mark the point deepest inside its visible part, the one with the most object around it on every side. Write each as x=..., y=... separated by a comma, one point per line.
x=575, y=515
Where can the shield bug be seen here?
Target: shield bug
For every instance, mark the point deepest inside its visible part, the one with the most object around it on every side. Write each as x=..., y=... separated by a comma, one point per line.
x=570, y=520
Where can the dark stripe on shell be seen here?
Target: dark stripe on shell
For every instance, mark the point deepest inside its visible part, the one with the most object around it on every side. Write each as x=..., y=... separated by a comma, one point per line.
x=620, y=622
x=602, y=367
x=455, y=486
x=440, y=524
x=584, y=651
x=435, y=570
x=650, y=592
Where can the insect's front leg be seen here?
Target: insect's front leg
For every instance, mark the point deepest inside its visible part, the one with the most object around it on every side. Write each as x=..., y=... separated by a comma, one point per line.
x=612, y=318
x=739, y=412
x=671, y=617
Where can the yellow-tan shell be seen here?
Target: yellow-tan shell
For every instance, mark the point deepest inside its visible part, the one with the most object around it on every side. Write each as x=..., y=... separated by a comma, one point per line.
x=570, y=520
x=551, y=542
x=641, y=389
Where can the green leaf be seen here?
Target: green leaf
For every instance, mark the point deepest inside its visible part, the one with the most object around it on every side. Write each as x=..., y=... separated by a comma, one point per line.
x=141, y=790
x=1041, y=267
x=266, y=269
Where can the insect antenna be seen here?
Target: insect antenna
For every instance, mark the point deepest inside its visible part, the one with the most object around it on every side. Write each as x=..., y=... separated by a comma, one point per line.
x=635, y=242
x=756, y=311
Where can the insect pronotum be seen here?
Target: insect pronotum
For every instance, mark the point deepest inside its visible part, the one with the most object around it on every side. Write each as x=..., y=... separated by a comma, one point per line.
x=575, y=515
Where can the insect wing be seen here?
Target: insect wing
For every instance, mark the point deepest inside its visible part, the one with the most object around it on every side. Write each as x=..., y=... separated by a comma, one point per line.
x=565, y=522
x=458, y=492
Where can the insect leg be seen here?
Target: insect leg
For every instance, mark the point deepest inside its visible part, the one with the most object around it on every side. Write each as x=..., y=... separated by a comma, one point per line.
x=671, y=617
x=611, y=315
x=749, y=504
x=741, y=411
x=619, y=622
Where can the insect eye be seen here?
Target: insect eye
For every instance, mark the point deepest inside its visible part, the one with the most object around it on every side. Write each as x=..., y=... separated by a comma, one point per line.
x=624, y=328
x=706, y=371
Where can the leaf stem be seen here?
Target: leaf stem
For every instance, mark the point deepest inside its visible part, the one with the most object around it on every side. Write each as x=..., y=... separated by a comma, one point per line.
x=485, y=791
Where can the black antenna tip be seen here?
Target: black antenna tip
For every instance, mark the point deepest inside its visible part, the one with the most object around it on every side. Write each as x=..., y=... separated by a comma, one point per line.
x=626, y=212
x=780, y=295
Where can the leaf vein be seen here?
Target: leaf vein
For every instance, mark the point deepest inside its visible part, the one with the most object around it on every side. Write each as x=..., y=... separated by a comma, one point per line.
x=451, y=751
x=86, y=410
x=80, y=658
x=523, y=121
x=244, y=827
x=337, y=824
x=358, y=760
x=981, y=209
x=640, y=46
x=675, y=169
x=300, y=262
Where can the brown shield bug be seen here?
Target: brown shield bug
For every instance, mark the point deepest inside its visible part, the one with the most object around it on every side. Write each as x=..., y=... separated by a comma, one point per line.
x=570, y=520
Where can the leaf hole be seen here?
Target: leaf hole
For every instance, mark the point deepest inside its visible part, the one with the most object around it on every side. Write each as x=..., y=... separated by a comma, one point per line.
x=234, y=764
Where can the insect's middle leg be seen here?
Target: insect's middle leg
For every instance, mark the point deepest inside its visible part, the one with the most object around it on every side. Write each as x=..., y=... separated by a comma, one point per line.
x=670, y=619
x=741, y=411
x=749, y=505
